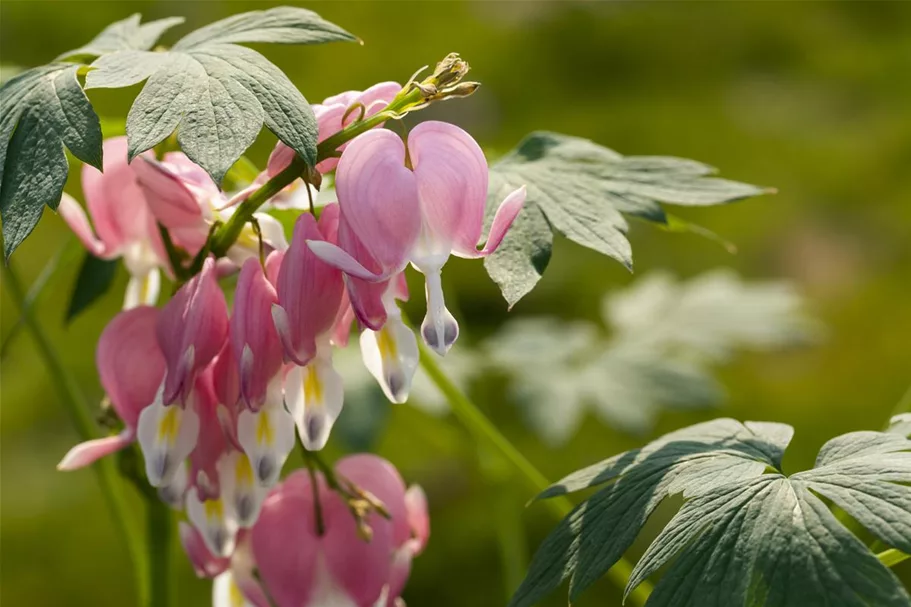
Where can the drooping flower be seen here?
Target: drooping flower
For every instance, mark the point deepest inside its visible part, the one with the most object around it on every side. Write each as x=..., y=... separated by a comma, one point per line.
x=416, y=204
x=183, y=197
x=191, y=330
x=300, y=567
x=123, y=224
x=131, y=367
x=310, y=304
x=265, y=430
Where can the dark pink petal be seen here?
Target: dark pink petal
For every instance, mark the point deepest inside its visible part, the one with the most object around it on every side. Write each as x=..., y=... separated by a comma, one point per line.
x=191, y=330
x=365, y=296
x=225, y=377
x=379, y=198
x=253, y=337
x=91, y=451
x=285, y=543
x=309, y=294
x=205, y=564
x=130, y=362
x=211, y=442
x=451, y=174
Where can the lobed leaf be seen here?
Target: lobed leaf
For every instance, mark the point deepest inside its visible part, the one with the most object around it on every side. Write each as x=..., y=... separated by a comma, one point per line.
x=746, y=535
x=44, y=110
x=215, y=94
x=584, y=191
x=127, y=34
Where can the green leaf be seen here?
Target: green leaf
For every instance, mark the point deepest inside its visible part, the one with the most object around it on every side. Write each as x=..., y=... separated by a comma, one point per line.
x=746, y=535
x=43, y=110
x=217, y=95
x=127, y=34
x=583, y=191
x=95, y=278
x=666, y=333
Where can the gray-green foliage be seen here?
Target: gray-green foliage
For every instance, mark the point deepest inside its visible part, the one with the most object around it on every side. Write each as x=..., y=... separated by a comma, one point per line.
x=216, y=94
x=44, y=110
x=747, y=535
x=583, y=191
x=127, y=34
x=665, y=335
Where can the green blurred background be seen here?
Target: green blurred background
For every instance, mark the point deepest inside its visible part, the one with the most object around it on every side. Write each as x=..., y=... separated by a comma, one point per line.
x=812, y=98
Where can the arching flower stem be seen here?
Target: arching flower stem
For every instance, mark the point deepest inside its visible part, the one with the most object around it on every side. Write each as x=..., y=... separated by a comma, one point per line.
x=484, y=431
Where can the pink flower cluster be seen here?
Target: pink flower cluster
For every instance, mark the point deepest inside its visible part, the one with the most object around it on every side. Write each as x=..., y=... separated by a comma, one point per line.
x=214, y=397
x=301, y=564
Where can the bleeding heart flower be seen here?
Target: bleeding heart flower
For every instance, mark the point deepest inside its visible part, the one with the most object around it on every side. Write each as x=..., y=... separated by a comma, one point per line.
x=184, y=199
x=131, y=366
x=311, y=305
x=302, y=568
x=416, y=204
x=124, y=225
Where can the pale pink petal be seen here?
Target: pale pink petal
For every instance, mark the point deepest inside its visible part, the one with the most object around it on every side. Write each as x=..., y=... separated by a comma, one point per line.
x=91, y=451
x=130, y=362
x=309, y=292
x=339, y=259
x=190, y=173
x=170, y=199
x=380, y=478
x=114, y=199
x=379, y=198
x=376, y=98
x=285, y=543
x=365, y=296
x=398, y=577
x=502, y=221
x=344, y=99
x=418, y=517
x=253, y=337
x=191, y=330
x=75, y=217
x=205, y=564
x=451, y=174
x=360, y=568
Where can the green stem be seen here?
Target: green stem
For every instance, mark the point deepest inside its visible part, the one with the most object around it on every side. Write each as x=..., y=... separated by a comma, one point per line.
x=78, y=410
x=892, y=557
x=158, y=538
x=478, y=424
x=328, y=148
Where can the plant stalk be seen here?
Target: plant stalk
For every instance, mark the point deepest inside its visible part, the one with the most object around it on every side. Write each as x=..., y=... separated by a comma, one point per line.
x=892, y=557
x=483, y=429
x=158, y=540
x=78, y=410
